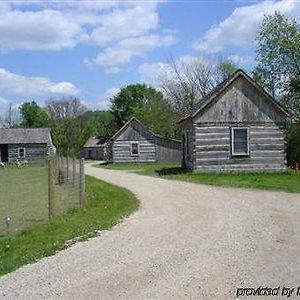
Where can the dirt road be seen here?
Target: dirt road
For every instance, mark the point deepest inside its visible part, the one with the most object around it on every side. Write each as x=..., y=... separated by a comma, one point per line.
x=187, y=241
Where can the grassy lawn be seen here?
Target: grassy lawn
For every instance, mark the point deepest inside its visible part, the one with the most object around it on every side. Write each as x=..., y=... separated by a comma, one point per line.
x=107, y=204
x=286, y=181
x=24, y=196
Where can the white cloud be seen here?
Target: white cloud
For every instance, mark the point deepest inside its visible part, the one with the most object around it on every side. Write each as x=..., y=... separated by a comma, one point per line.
x=104, y=99
x=38, y=30
x=121, y=24
x=151, y=73
x=118, y=26
x=3, y=101
x=240, y=28
x=241, y=59
x=14, y=84
x=122, y=52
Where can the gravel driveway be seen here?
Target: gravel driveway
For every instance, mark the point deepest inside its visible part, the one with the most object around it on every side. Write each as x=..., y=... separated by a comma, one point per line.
x=187, y=241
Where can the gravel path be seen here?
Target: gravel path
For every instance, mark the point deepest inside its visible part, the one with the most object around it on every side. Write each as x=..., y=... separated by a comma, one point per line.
x=187, y=241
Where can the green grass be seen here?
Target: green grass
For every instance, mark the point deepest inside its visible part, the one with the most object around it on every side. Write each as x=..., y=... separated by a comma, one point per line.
x=107, y=204
x=24, y=196
x=286, y=181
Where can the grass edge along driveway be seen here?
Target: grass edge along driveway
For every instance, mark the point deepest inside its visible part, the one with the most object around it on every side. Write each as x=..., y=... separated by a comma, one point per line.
x=287, y=181
x=107, y=205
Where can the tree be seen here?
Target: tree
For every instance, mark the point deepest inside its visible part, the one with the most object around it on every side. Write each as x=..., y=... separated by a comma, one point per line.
x=157, y=115
x=278, y=54
x=98, y=123
x=10, y=118
x=65, y=108
x=33, y=115
x=147, y=104
x=186, y=83
x=69, y=130
x=130, y=99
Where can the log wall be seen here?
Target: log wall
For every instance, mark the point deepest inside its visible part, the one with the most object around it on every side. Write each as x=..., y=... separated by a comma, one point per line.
x=212, y=149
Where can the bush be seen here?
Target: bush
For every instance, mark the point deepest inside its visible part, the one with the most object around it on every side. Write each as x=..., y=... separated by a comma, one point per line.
x=293, y=145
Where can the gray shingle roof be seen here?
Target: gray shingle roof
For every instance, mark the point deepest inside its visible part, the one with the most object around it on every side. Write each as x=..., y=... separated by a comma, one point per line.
x=25, y=136
x=96, y=141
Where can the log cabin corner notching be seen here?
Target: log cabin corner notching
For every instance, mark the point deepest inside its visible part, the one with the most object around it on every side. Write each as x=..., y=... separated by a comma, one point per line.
x=32, y=144
x=238, y=127
x=134, y=142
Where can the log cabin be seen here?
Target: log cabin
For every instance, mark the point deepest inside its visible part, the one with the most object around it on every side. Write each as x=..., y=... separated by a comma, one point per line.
x=134, y=142
x=31, y=144
x=238, y=127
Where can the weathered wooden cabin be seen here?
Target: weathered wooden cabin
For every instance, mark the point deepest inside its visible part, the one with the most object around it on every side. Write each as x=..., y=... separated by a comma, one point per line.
x=238, y=127
x=32, y=144
x=134, y=142
x=95, y=148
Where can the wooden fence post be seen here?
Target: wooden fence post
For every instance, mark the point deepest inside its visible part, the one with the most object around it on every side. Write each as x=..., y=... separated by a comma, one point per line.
x=50, y=189
x=81, y=182
x=67, y=173
x=297, y=167
x=74, y=171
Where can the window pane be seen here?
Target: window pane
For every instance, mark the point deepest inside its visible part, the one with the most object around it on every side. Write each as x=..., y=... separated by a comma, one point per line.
x=21, y=152
x=134, y=148
x=240, y=141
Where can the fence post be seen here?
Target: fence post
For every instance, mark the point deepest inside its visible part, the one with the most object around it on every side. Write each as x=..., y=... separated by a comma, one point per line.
x=74, y=171
x=68, y=173
x=81, y=182
x=50, y=189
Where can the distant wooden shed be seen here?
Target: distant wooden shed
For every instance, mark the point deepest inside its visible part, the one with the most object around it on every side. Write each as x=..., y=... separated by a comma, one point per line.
x=238, y=127
x=134, y=142
x=95, y=148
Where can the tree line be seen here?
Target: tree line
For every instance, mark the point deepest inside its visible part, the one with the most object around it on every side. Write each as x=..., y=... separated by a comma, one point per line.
x=182, y=87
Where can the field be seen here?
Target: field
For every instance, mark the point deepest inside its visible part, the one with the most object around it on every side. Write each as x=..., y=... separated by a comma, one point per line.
x=286, y=181
x=24, y=197
x=106, y=205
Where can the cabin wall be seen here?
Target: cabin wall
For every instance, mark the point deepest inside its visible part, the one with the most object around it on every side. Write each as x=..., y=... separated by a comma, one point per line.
x=168, y=150
x=213, y=148
x=240, y=102
x=122, y=144
x=33, y=152
x=96, y=153
x=121, y=151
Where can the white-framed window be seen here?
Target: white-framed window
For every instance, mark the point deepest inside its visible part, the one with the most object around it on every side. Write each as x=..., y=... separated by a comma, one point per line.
x=21, y=152
x=240, y=145
x=134, y=149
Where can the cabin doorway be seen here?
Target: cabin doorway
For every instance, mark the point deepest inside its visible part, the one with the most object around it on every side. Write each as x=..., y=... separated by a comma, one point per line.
x=3, y=153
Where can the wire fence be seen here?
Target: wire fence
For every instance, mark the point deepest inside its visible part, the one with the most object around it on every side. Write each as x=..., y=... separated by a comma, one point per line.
x=35, y=193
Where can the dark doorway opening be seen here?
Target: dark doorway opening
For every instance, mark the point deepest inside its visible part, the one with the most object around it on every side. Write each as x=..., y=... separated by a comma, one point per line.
x=4, y=153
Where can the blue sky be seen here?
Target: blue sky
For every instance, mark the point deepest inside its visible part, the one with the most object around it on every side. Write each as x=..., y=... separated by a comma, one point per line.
x=90, y=49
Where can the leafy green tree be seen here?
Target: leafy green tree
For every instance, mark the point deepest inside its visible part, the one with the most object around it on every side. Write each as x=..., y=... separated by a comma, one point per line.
x=33, y=115
x=147, y=104
x=225, y=68
x=157, y=115
x=131, y=98
x=293, y=145
x=278, y=53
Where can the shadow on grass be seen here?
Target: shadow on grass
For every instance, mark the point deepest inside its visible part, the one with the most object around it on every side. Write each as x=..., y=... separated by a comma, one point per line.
x=171, y=171
x=106, y=163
